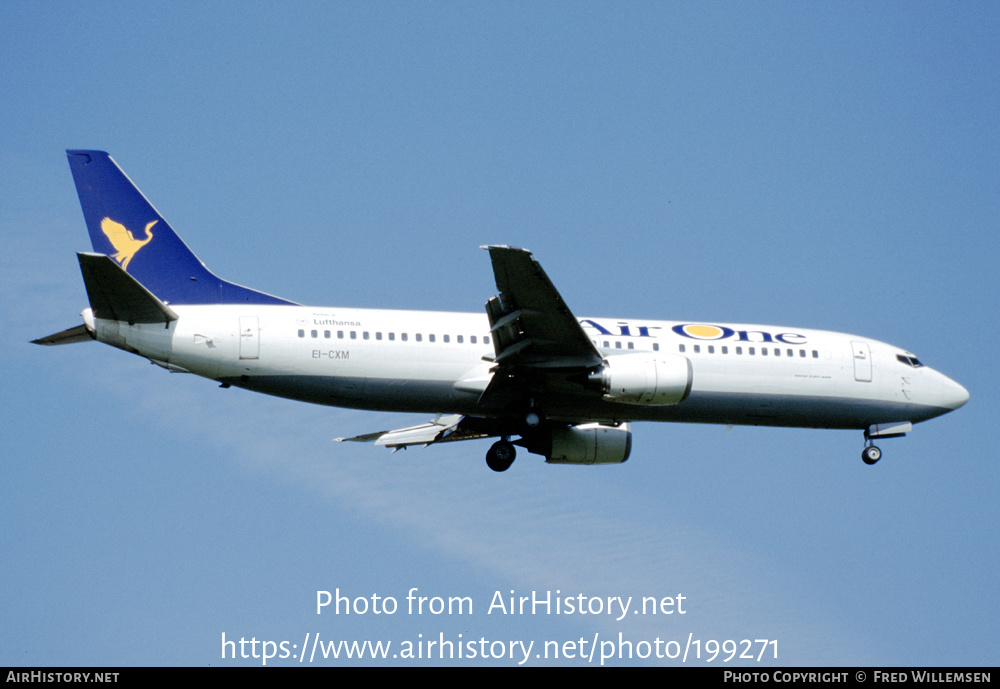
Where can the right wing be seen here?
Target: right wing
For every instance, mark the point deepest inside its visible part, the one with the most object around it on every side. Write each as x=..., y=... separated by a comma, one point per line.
x=440, y=429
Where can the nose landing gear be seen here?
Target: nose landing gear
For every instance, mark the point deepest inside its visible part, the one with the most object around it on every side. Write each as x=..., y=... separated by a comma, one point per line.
x=871, y=454
x=889, y=429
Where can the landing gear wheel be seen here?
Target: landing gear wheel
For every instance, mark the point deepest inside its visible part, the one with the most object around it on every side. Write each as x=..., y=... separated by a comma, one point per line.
x=500, y=456
x=871, y=454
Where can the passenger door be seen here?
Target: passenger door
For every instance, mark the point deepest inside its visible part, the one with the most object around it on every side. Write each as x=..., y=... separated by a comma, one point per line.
x=249, y=337
x=862, y=361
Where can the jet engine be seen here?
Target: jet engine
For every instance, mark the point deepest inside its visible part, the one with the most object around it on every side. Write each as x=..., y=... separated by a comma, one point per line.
x=590, y=443
x=644, y=379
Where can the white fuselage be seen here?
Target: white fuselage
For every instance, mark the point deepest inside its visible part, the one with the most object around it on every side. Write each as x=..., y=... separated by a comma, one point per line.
x=428, y=361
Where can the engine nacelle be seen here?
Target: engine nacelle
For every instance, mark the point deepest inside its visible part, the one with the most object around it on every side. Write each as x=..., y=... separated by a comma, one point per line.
x=590, y=443
x=645, y=379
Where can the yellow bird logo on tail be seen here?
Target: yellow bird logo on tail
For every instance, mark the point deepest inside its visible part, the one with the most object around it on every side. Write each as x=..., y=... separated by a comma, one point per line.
x=125, y=244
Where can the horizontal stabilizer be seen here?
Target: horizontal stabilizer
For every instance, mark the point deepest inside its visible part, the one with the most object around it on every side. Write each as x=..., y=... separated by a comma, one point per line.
x=117, y=296
x=78, y=334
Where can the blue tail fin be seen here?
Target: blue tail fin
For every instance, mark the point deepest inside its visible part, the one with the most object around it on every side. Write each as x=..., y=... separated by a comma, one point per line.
x=126, y=227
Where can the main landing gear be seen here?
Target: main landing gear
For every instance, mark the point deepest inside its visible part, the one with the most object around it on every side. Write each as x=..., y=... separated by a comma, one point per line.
x=501, y=455
x=871, y=454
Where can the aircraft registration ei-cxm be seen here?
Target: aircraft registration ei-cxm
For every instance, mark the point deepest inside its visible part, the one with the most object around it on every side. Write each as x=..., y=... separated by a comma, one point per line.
x=527, y=371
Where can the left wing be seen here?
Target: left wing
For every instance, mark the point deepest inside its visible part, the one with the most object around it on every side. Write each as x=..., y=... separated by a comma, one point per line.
x=530, y=322
x=539, y=346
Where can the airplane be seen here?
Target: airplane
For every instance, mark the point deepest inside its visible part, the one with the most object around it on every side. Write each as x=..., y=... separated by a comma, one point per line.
x=527, y=371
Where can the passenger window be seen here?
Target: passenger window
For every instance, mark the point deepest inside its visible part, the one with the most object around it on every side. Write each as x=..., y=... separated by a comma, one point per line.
x=392, y=337
x=378, y=335
x=656, y=346
x=458, y=339
x=711, y=349
x=314, y=333
x=420, y=337
x=302, y=333
x=326, y=334
x=430, y=338
x=472, y=339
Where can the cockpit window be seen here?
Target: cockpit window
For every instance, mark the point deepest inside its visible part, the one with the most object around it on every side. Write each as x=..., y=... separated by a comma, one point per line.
x=909, y=360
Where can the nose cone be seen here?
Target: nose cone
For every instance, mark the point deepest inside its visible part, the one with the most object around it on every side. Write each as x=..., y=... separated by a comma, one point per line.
x=951, y=395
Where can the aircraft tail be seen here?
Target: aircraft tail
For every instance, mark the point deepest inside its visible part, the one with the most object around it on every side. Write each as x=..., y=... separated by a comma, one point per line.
x=117, y=296
x=114, y=296
x=126, y=227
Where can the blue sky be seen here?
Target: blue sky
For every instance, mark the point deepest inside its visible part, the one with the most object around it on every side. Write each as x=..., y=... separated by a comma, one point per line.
x=822, y=166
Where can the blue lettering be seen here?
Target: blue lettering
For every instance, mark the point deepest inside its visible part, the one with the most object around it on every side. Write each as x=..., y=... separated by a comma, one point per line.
x=597, y=326
x=744, y=336
x=703, y=332
x=624, y=328
x=784, y=337
x=698, y=331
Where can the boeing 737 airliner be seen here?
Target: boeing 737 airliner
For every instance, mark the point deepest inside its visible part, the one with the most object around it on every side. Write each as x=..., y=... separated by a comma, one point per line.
x=527, y=371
